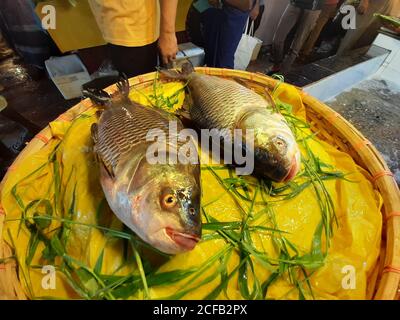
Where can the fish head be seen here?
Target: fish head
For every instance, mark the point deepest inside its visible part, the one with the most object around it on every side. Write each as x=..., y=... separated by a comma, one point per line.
x=276, y=153
x=165, y=206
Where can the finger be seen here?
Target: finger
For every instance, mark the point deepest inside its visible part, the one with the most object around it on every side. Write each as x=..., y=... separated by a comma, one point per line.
x=165, y=60
x=170, y=59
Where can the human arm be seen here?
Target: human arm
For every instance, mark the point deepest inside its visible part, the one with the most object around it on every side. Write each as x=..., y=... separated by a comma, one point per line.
x=255, y=11
x=363, y=7
x=167, y=43
x=243, y=5
x=214, y=3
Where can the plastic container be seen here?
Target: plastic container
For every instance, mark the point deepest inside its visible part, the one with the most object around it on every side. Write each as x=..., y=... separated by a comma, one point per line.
x=68, y=74
x=191, y=52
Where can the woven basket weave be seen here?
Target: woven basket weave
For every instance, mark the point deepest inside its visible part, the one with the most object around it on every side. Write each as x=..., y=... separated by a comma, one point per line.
x=330, y=126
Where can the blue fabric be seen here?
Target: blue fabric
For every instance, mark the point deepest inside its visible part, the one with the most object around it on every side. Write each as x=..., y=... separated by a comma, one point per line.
x=223, y=29
x=201, y=5
x=24, y=29
x=211, y=21
x=234, y=22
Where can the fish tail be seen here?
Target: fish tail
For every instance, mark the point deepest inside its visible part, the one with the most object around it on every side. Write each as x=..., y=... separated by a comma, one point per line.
x=102, y=98
x=183, y=75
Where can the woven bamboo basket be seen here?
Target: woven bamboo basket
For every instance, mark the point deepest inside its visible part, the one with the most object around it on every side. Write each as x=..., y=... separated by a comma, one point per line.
x=330, y=126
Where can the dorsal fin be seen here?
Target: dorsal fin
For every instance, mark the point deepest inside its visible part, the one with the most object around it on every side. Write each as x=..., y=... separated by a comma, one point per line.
x=99, y=97
x=102, y=98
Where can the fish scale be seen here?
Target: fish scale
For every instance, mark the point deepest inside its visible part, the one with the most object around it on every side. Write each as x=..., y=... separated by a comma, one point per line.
x=122, y=127
x=225, y=105
x=159, y=201
x=219, y=102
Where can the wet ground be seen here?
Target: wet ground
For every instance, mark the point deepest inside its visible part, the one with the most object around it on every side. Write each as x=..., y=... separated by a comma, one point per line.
x=373, y=106
x=33, y=101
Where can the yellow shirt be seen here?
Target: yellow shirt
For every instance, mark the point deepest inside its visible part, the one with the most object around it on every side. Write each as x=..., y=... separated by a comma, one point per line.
x=129, y=23
x=395, y=9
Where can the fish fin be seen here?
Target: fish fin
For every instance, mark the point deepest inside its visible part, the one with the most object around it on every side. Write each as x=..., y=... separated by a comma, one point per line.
x=95, y=137
x=99, y=97
x=94, y=133
x=132, y=164
x=241, y=82
x=268, y=96
x=108, y=169
x=187, y=68
x=123, y=87
x=183, y=75
x=102, y=98
x=99, y=113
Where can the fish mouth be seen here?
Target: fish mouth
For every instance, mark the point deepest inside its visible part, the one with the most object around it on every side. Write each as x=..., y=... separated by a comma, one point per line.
x=294, y=169
x=183, y=240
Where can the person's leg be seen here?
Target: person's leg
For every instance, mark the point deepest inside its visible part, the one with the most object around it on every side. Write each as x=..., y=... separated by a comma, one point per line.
x=371, y=31
x=211, y=19
x=363, y=22
x=286, y=24
x=134, y=61
x=307, y=23
x=351, y=37
x=326, y=15
x=232, y=27
x=194, y=27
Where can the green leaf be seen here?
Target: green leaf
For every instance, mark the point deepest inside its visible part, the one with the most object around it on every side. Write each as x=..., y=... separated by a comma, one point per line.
x=87, y=280
x=41, y=212
x=49, y=253
x=223, y=285
x=222, y=226
x=57, y=246
x=267, y=283
x=99, y=263
x=32, y=247
x=141, y=270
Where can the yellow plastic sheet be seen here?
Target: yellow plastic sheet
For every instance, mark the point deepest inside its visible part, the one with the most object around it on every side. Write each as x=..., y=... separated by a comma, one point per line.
x=64, y=173
x=76, y=27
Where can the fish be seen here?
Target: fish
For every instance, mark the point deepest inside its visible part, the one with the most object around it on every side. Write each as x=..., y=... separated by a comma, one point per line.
x=160, y=203
x=224, y=104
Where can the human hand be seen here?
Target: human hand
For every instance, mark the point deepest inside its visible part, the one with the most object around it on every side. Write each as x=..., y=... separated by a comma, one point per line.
x=168, y=46
x=254, y=13
x=214, y=3
x=363, y=7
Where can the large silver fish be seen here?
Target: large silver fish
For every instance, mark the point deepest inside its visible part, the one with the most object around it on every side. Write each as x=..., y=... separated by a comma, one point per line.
x=159, y=202
x=225, y=104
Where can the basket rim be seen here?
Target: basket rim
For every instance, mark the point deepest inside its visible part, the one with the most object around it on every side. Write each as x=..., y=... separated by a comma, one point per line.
x=388, y=286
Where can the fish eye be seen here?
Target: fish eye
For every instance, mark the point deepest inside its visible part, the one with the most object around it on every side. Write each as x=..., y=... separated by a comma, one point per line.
x=169, y=201
x=280, y=144
x=192, y=211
